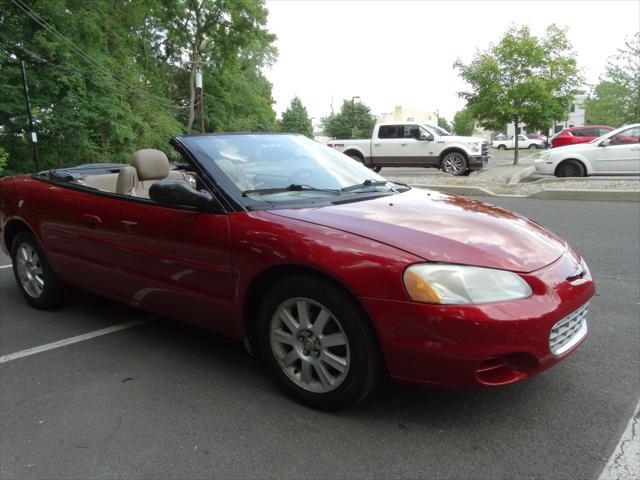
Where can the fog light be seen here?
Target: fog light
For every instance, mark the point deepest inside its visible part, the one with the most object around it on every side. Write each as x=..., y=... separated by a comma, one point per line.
x=506, y=369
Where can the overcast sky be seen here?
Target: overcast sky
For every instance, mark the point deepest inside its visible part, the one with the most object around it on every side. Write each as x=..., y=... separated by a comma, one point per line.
x=402, y=52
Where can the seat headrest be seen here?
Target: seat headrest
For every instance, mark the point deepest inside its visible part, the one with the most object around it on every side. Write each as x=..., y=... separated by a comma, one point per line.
x=150, y=164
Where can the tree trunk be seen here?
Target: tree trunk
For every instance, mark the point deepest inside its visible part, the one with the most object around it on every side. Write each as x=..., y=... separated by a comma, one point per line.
x=515, y=143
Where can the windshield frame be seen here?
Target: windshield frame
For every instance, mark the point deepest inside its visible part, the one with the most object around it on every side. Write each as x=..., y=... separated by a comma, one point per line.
x=241, y=202
x=436, y=130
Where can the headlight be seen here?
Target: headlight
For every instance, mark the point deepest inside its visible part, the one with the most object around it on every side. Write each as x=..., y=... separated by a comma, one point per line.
x=456, y=284
x=474, y=146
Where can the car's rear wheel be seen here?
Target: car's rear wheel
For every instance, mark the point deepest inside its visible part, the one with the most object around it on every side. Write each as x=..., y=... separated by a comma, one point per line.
x=454, y=163
x=533, y=146
x=35, y=277
x=318, y=342
x=570, y=168
x=502, y=147
x=376, y=169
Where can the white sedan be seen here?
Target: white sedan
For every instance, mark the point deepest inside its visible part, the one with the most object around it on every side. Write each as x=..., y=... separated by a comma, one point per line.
x=616, y=153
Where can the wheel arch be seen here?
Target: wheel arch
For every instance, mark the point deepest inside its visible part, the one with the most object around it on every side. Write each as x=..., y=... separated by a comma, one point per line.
x=12, y=228
x=261, y=282
x=449, y=150
x=356, y=152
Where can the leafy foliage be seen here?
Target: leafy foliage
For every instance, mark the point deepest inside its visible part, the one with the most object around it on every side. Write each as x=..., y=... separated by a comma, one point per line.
x=353, y=121
x=114, y=78
x=523, y=79
x=463, y=122
x=443, y=123
x=615, y=100
x=3, y=159
x=296, y=119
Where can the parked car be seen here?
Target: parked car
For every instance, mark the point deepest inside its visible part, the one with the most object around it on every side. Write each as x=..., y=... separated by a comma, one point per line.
x=523, y=142
x=398, y=144
x=337, y=275
x=575, y=135
x=616, y=153
x=537, y=136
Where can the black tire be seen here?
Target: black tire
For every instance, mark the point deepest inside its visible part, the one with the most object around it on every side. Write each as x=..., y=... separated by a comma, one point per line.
x=376, y=169
x=365, y=366
x=52, y=292
x=533, y=146
x=570, y=168
x=454, y=163
x=502, y=147
x=356, y=157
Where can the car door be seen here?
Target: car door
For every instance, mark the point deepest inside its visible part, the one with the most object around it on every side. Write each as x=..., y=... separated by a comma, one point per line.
x=389, y=148
x=171, y=260
x=619, y=153
x=419, y=145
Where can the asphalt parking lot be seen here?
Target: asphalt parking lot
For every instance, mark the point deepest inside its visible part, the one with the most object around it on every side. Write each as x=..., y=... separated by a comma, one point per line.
x=165, y=400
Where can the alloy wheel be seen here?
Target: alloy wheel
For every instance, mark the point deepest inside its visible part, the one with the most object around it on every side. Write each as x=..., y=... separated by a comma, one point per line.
x=310, y=345
x=29, y=270
x=453, y=164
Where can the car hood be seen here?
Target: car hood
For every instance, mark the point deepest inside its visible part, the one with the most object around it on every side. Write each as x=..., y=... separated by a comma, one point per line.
x=442, y=228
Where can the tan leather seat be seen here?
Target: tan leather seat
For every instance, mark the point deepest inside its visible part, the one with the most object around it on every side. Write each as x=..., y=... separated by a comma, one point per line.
x=127, y=181
x=151, y=165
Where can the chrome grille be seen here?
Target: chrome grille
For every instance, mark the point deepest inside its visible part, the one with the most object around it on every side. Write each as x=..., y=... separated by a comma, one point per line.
x=569, y=331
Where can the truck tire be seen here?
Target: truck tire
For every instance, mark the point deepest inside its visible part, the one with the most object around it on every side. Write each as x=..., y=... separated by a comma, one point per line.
x=533, y=146
x=454, y=163
x=502, y=147
x=359, y=159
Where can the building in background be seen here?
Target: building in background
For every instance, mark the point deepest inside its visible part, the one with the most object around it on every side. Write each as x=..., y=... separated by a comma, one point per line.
x=408, y=114
x=575, y=118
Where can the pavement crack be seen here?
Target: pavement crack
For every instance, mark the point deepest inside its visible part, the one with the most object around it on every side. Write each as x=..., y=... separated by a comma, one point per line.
x=115, y=431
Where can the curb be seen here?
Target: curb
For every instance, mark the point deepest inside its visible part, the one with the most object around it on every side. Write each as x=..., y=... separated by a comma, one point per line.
x=601, y=195
x=595, y=195
x=524, y=173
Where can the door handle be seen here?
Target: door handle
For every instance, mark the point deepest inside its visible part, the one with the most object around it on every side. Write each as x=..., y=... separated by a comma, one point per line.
x=91, y=219
x=376, y=144
x=403, y=144
x=634, y=148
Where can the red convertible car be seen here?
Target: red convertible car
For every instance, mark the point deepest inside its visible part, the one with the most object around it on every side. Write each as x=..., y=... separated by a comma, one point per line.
x=338, y=276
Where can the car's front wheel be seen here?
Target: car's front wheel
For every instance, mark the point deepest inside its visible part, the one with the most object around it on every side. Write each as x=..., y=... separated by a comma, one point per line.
x=454, y=163
x=533, y=146
x=570, y=168
x=35, y=277
x=318, y=342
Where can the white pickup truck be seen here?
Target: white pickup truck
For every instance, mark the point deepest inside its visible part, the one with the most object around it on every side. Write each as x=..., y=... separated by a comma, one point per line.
x=398, y=144
x=523, y=142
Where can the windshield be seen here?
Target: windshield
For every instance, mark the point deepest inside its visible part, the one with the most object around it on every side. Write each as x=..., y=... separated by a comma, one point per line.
x=436, y=130
x=278, y=167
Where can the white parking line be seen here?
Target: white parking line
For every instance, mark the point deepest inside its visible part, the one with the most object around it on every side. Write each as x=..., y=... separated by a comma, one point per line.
x=624, y=463
x=5, y=266
x=76, y=339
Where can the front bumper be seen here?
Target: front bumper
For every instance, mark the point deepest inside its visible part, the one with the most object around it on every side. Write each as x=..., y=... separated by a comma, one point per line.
x=474, y=345
x=478, y=161
x=545, y=166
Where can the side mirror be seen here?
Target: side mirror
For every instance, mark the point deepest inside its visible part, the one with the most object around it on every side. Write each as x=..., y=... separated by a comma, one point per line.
x=428, y=138
x=179, y=192
x=605, y=142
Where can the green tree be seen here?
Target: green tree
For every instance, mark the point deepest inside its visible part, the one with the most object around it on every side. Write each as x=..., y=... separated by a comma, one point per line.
x=296, y=120
x=108, y=77
x=443, y=123
x=353, y=121
x=463, y=122
x=3, y=159
x=522, y=80
x=615, y=100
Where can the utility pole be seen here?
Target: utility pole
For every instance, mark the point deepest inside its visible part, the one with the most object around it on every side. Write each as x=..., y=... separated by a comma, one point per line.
x=34, y=137
x=353, y=116
x=199, y=87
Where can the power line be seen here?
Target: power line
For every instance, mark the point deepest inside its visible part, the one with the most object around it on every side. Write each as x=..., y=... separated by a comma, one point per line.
x=65, y=67
x=78, y=51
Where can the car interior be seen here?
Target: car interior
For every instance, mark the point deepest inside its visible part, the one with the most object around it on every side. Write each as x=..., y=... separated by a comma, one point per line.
x=147, y=167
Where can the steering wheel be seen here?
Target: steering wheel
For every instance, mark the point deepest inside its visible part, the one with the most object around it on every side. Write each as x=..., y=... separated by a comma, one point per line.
x=301, y=172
